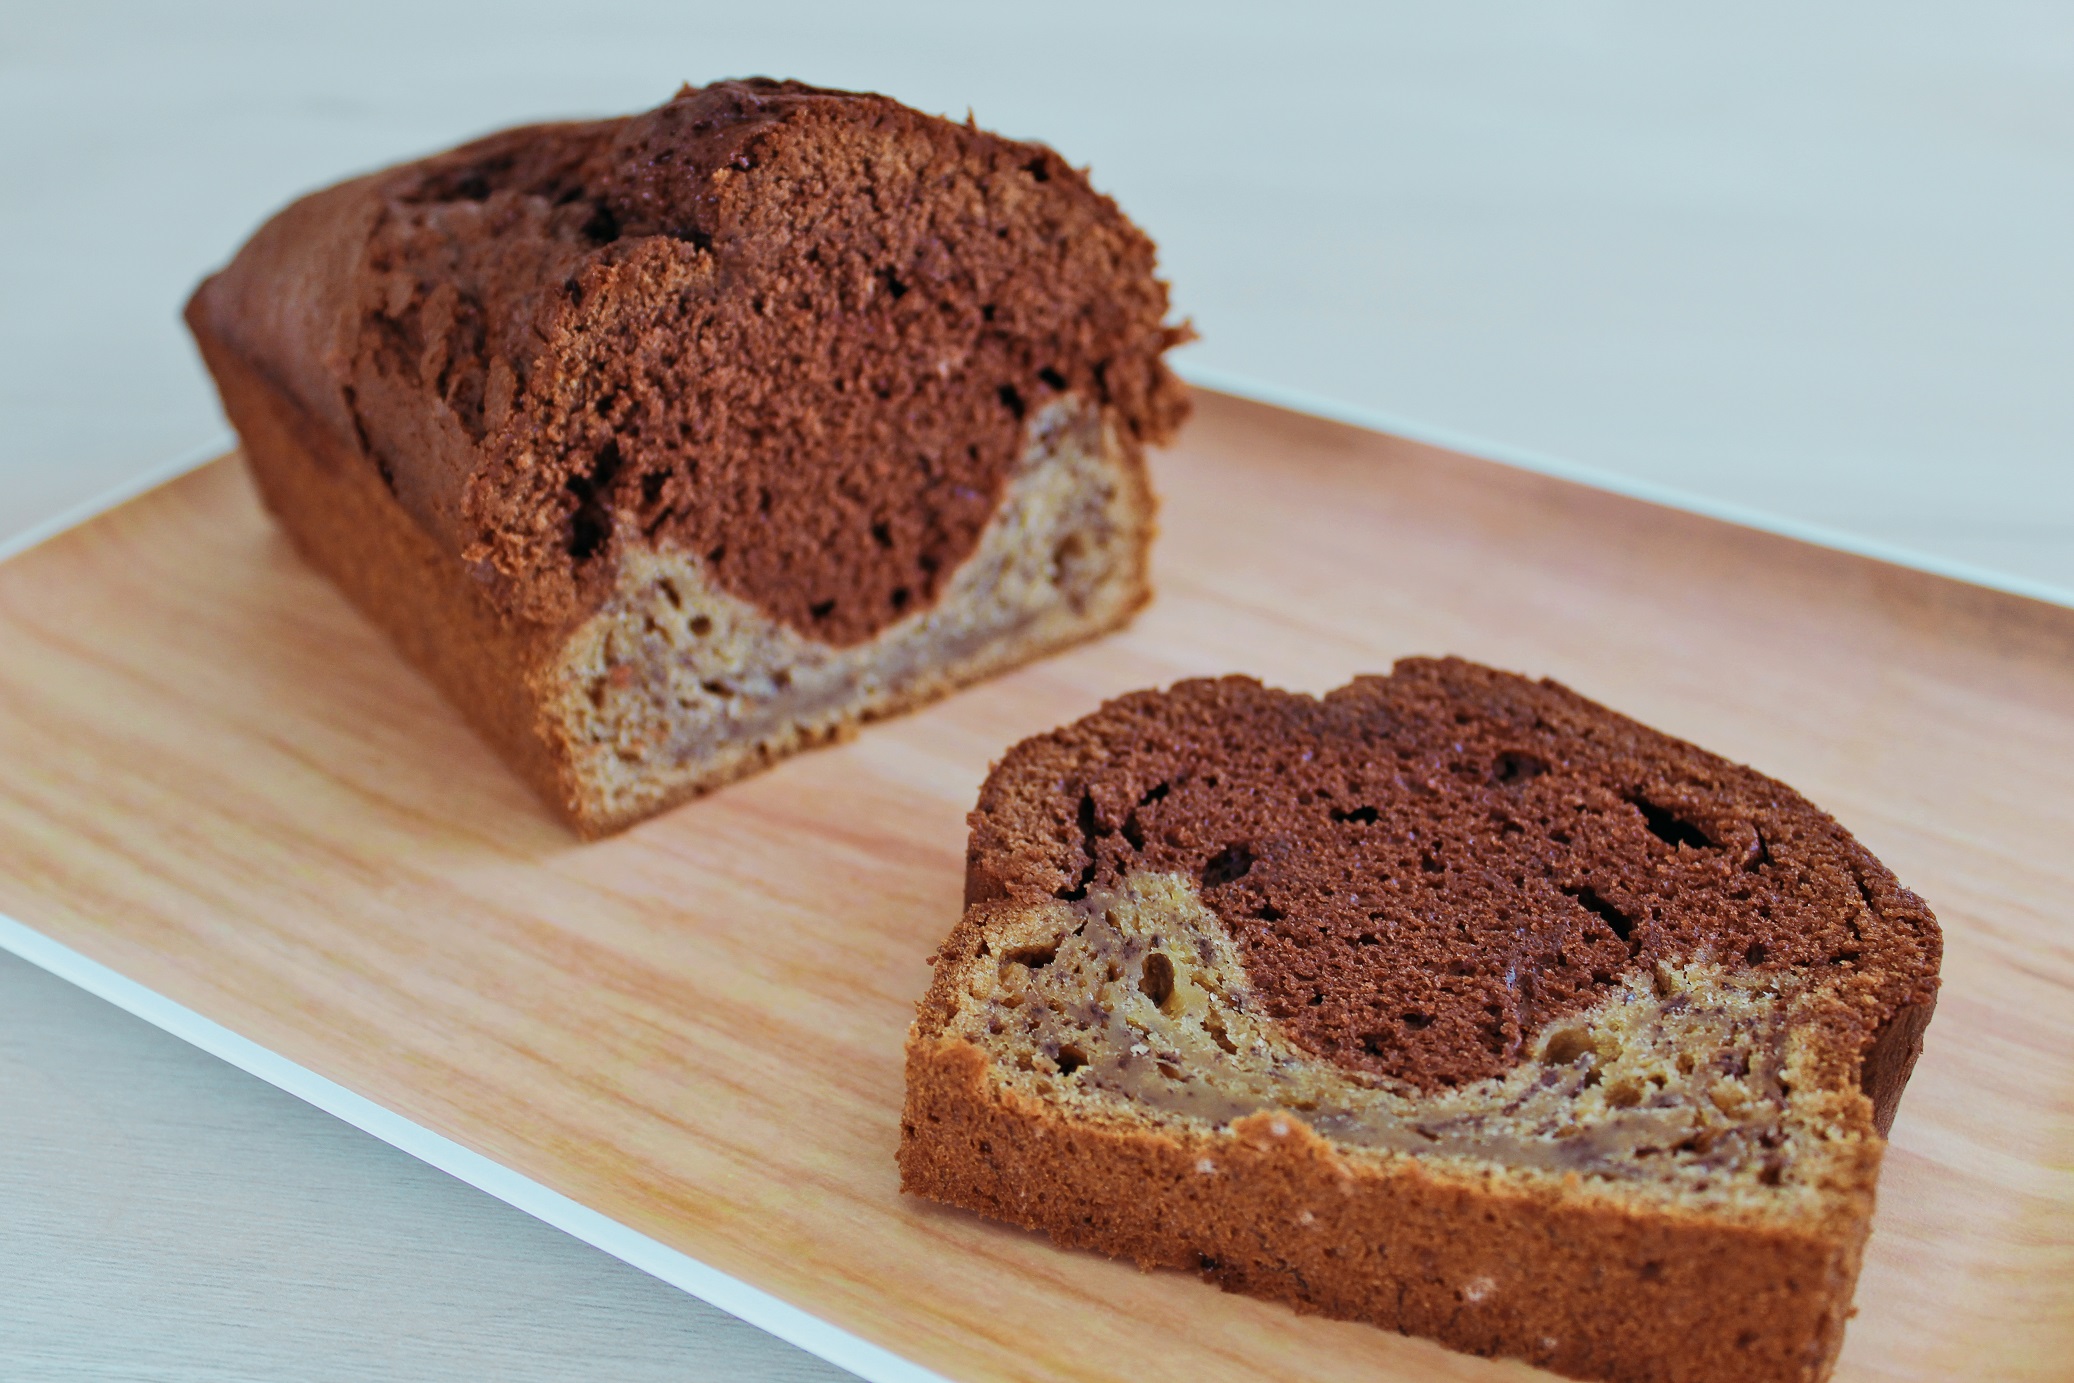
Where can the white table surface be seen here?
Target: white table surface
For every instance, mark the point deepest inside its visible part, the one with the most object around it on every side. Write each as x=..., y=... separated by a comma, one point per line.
x=1806, y=262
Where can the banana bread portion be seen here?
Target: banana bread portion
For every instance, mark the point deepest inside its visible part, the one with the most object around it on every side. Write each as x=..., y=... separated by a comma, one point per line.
x=671, y=444
x=1450, y=1001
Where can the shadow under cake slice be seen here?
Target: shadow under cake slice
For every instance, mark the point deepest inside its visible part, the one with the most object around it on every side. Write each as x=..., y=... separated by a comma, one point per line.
x=670, y=444
x=1450, y=1001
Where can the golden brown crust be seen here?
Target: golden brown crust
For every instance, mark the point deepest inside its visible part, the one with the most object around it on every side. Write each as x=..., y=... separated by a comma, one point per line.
x=1494, y=1265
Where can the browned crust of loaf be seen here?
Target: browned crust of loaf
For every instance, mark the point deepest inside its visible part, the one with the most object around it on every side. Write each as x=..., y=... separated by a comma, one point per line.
x=1495, y=1265
x=346, y=525
x=494, y=669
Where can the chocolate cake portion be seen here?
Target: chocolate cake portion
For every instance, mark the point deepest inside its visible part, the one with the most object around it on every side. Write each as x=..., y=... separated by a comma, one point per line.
x=1424, y=870
x=802, y=341
x=815, y=317
x=1449, y=1001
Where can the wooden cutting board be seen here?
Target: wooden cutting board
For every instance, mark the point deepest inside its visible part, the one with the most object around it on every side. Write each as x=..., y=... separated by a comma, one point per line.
x=220, y=782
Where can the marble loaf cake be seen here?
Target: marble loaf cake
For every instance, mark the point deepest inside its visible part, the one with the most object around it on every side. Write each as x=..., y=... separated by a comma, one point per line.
x=668, y=445
x=1451, y=1002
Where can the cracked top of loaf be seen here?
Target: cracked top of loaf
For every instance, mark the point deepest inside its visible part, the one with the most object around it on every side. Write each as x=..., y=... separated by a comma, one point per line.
x=1421, y=872
x=796, y=332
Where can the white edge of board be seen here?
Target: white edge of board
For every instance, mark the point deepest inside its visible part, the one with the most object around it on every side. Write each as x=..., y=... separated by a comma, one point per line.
x=730, y=1294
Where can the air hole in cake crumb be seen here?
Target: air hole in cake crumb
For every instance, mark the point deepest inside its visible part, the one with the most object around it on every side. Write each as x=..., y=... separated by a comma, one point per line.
x=1590, y=900
x=1071, y=1059
x=1365, y=816
x=881, y=534
x=1012, y=399
x=1052, y=379
x=1671, y=829
x=1757, y=954
x=1156, y=982
x=603, y=227
x=1085, y=819
x=1133, y=832
x=1864, y=895
x=1565, y=1045
x=1035, y=956
x=1760, y=855
x=719, y=689
x=591, y=524
x=1153, y=794
x=782, y=679
x=891, y=282
x=652, y=486
x=1515, y=767
x=1069, y=551
x=1417, y=1022
x=821, y=609
x=669, y=590
x=701, y=626
x=1229, y=864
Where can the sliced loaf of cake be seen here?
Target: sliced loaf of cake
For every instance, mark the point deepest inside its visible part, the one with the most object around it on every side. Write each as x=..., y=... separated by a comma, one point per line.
x=670, y=444
x=1450, y=1001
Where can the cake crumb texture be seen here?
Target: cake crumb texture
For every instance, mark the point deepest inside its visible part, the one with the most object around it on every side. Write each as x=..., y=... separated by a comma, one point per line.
x=1451, y=1002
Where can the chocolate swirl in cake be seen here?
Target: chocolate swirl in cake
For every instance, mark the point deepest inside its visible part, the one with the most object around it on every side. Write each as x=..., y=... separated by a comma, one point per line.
x=1422, y=873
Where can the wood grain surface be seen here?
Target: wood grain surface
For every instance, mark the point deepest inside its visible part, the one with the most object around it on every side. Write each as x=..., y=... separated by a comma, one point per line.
x=220, y=782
